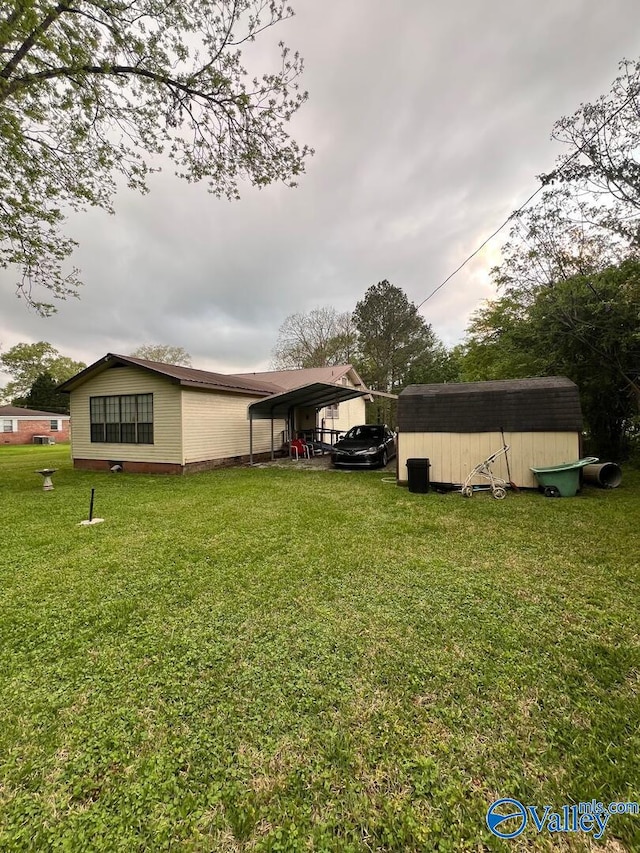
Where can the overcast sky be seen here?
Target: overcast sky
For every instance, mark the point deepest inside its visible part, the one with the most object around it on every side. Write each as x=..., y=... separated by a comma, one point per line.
x=430, y=122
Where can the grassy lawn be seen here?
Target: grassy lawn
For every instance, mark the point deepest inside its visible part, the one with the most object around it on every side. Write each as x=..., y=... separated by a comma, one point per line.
x=276, y=659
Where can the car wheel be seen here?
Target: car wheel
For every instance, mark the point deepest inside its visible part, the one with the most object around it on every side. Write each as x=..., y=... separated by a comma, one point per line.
x=384, y=459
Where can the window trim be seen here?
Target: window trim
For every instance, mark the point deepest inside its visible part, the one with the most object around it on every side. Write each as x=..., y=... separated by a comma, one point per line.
x=106, y=423
x=332, y=412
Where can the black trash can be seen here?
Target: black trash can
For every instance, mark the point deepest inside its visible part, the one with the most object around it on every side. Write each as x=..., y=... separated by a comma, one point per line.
x=418, y=475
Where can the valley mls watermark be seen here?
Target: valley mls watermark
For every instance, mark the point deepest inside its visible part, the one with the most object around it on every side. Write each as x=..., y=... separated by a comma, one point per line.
x=508, y=818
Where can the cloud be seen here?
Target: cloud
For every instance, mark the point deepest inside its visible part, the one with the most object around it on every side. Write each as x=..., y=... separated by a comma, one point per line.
x=430, y=123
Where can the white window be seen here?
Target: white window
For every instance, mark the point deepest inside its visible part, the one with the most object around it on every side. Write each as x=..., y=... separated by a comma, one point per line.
x=54, y=425
x=331, y=411
x=7, y=425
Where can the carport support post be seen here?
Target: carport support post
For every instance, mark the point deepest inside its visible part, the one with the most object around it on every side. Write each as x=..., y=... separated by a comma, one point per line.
x=273, y=456
x=291, y=422
x=250, y=437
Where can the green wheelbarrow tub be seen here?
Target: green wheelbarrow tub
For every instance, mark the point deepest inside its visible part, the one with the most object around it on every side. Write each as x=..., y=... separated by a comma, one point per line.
x=565, y=478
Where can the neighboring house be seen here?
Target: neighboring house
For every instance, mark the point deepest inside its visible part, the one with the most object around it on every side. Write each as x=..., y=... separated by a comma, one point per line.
x=457, y=426
x=19, y=425
x=151, y=417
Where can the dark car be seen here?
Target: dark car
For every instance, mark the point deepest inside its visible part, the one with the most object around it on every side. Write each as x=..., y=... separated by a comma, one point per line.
x=367, y=444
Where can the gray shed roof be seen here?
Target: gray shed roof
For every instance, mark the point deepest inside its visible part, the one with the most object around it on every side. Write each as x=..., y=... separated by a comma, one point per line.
x=540, y=404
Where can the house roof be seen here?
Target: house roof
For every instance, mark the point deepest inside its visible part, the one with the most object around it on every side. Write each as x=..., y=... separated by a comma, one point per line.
x=306, y=376
x=287, y=379
x=20, y=412
x=264, y=384
x=186, y=376
x=547, y=403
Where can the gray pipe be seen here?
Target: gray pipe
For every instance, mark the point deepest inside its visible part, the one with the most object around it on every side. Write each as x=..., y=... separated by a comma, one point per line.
x=607, y=475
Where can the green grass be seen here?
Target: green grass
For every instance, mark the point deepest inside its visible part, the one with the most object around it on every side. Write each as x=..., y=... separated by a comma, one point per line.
x=274, y=659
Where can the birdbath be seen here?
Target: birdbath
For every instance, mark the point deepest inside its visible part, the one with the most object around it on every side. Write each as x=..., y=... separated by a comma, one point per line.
x=46, y=473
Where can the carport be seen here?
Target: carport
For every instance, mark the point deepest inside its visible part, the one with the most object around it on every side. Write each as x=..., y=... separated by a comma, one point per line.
x=316, y=396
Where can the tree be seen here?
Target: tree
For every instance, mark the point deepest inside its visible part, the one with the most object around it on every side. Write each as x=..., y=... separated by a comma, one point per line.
x=393, y=337
x=603, y=142
x=90, y=89
x=319, y=338
x=163, y=353
x=438, y=365
x=554, y=240
x=44, y=395
x=570, y=271
x=25, y=362
x=587, y=328
x=501, y=342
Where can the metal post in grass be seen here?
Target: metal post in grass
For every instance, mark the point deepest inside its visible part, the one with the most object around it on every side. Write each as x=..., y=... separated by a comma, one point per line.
x=91, y=519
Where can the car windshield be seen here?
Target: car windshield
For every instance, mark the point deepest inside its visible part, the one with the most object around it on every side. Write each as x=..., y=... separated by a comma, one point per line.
x=365, y=433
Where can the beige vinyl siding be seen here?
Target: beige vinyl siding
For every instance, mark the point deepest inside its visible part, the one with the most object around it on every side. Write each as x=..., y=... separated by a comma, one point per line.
x=167, y=441
x=216, y=426
x=454, y=455
x=350, y=413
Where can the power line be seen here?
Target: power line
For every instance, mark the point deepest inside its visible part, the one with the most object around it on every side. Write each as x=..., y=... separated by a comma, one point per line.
x=481, y=246
x=531, y=197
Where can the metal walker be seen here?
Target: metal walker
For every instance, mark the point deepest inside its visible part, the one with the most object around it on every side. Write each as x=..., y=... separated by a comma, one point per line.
x=497, y=485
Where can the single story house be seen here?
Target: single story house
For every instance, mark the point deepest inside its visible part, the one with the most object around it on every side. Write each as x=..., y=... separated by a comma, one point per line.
x=26, y=426
x=457, y=426
x=149, y=417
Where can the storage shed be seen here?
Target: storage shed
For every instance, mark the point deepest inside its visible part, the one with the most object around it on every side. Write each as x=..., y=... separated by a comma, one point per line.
x=459, y=425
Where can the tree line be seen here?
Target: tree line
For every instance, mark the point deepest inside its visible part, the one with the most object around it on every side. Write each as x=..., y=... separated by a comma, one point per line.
x=585, y=326
x=385, y=338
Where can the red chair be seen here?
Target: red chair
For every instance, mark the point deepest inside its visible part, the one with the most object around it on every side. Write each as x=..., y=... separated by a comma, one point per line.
x=299, y=449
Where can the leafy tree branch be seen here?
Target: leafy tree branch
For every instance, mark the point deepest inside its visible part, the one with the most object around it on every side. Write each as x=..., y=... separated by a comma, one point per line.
x=95, y=88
